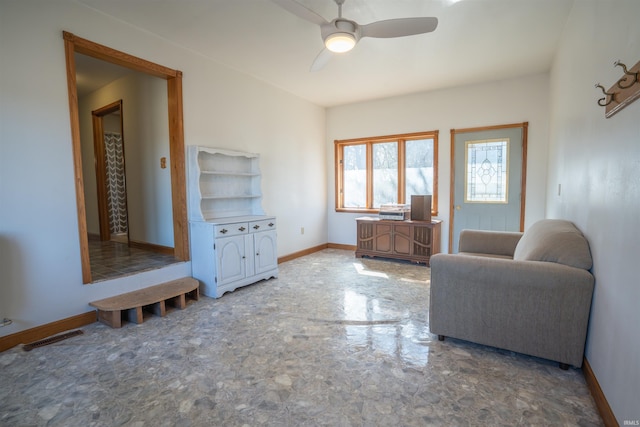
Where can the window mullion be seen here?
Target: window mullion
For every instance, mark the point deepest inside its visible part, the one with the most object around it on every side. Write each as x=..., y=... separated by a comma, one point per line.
x=369, y=175
x=339, y=153
x=402, y=164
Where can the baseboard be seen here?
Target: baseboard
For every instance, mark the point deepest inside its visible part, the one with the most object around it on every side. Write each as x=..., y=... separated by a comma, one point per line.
x=301, y=253
x=166, y=250
x=318, y=248
x=604, y=409
x=344, y=247
x=44, y=331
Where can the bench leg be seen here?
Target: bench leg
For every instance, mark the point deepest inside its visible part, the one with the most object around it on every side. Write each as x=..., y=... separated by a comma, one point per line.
x=159, y=308
x=178, y=302
x=135, y=315
x=110, y=318
x=181, y=301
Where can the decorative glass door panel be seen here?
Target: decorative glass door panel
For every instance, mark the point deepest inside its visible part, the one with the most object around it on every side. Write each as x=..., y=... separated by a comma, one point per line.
x=486, y=171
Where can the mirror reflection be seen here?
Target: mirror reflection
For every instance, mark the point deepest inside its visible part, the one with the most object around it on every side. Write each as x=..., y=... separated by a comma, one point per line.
x=124, y=134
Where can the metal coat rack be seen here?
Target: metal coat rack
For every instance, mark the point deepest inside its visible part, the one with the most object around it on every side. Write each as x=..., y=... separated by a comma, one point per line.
x=623, y=92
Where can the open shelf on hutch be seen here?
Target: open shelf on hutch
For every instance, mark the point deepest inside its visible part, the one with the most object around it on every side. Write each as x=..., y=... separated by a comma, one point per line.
x=224, y=184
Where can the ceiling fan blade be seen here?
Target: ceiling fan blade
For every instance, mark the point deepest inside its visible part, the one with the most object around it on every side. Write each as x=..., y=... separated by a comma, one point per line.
x=321, y=60
x=399, y=27
x=300, y=11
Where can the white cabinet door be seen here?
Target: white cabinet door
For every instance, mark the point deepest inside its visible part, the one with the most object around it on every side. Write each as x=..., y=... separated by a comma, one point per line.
x=266, y=257
x=231, y=259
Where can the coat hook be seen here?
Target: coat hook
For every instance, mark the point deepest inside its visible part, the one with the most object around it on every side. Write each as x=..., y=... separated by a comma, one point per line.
x=603, y=101
x=624, y=67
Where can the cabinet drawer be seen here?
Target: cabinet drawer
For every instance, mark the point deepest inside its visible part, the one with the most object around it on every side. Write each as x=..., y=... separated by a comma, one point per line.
x=262, y=225
x=233, y=229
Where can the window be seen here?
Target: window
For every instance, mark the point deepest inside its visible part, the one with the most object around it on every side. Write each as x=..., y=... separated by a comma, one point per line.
x=374, y=171
x=486, y=171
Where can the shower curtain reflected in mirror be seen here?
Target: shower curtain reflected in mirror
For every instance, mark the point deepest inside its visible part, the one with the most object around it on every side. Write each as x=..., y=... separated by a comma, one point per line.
x=116, y=186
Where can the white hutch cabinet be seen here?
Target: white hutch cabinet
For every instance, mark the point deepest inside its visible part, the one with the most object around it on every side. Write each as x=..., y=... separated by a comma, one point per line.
x=233, y=243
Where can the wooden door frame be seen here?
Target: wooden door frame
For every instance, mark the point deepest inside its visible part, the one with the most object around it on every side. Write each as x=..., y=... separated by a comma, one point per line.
x=101, y=162
x=74, y=44
x=523, y=180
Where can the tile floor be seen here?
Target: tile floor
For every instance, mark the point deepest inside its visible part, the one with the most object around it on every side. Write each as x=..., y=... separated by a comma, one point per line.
x=111, y=259
x=334, y=341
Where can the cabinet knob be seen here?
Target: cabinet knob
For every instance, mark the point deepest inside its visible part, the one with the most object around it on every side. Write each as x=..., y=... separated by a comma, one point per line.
x=241, y=228
x=223, y=231
x=257, y=253
x=271, y=224
x=255, y=227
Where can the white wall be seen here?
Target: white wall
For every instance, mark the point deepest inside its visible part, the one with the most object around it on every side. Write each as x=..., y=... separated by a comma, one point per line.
x=504, y=102
x=597, y=162
x=40, y=269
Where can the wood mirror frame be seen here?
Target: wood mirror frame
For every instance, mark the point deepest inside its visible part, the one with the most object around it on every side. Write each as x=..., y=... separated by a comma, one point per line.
x=74, y=44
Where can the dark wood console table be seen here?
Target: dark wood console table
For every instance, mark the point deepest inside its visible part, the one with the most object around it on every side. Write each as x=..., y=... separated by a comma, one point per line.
x=414, y=241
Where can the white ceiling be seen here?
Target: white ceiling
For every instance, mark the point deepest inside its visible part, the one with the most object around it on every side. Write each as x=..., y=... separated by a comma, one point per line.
x=476, y=41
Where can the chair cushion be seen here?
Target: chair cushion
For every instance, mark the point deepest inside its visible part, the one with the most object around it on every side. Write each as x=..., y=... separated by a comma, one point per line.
x=554, y=240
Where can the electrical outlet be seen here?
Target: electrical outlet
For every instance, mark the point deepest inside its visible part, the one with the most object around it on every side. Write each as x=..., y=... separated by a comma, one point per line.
x=559, y=189
x=301, y=230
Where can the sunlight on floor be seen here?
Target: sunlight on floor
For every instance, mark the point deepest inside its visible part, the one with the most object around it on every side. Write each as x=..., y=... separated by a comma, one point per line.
x=362, y=270
x=373, y=325
x=426, y=282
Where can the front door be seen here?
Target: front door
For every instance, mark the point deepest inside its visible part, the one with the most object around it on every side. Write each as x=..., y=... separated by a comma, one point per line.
x=488, y=172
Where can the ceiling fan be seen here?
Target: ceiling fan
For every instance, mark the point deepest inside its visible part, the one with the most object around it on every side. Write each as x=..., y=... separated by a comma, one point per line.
x=341, y=34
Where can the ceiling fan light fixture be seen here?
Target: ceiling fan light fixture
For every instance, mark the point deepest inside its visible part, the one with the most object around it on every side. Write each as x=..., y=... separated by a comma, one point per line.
x=340, y=42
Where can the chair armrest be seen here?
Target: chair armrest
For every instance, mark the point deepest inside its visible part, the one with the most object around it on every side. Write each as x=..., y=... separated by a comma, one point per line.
x=489, y=242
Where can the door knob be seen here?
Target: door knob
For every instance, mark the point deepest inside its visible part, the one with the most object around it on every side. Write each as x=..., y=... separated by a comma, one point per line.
x=458, y=207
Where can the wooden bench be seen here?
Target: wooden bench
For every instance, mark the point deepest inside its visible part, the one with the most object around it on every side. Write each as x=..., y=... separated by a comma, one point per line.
x=130, y=305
